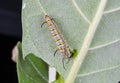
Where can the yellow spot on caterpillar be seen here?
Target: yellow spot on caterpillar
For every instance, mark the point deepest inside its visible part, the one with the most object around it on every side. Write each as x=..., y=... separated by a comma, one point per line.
x=59, y=39
x=53, y=29
x=55, y=34
x=50, y=24
x=61, y=43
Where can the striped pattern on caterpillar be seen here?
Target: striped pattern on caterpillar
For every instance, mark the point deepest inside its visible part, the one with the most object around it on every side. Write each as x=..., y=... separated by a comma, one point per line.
x=60, y=42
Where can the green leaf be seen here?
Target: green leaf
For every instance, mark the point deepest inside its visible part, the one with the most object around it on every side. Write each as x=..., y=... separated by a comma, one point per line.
x=31, y=69
x=89, y=26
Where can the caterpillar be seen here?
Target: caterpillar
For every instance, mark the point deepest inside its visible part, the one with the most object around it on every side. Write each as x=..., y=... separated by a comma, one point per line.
x=60, y=42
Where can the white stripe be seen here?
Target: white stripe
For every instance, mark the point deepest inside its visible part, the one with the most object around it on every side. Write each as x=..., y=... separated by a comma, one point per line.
x=59, y=42
x=49, y=22
x=54, y=31
x=51, y=27
x=61, y=46
x=57, y=37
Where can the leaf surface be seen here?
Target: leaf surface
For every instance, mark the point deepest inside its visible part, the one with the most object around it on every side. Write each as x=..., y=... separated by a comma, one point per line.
x=31, y=69
x=90, y=26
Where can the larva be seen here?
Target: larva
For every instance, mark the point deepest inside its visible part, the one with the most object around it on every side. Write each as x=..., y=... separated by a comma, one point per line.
x=60, y=42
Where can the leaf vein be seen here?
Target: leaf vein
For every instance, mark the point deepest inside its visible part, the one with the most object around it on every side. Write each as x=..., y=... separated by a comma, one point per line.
x=37, y=70
x=101, y=70
x=42, y=8
x=104, y=45
x=112, y=10
x=80, y=12
x=29, y=77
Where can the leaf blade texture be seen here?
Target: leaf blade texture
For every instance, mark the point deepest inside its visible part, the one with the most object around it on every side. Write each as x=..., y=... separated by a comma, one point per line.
x=90, y=26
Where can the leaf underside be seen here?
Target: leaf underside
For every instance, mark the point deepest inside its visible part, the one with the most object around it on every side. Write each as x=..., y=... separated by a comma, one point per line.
x=90, y=26
x=31, y=69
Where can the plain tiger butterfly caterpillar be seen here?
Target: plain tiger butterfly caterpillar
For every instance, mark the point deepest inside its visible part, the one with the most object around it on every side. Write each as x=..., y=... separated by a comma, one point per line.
x=60, y=42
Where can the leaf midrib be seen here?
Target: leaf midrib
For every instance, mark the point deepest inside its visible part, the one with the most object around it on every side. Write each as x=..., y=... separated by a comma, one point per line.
x=86, y=44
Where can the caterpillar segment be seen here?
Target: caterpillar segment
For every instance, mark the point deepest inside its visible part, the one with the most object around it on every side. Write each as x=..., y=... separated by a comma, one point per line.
x=60, y=42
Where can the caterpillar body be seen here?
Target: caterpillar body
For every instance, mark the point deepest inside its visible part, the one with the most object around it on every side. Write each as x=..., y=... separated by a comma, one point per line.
x=60, y=42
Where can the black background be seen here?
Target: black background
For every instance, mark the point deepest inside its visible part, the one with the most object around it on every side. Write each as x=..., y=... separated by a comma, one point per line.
x=10, y=34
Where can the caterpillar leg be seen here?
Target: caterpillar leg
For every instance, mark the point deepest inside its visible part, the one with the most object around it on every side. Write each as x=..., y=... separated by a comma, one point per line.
x=63, y=59
x=68, y=60
x=42, y=24
x=55, y=52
